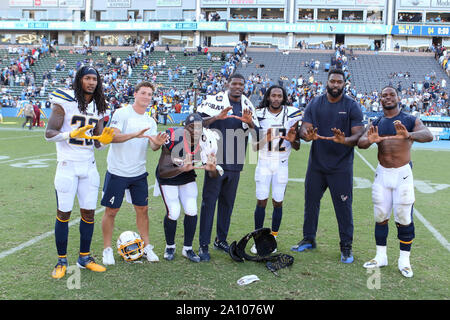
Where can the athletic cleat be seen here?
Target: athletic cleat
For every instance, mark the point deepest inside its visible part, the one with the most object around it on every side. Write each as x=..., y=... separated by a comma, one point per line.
x=221, y=245
x=203, y=253
x=347, y=256
x=303, y=245
x=149, y=254
x=169, y=254
x=108, y=256
x=87, y=262
x=60, y=269
x=376, y=263
x=406, y=272
x=191, y=255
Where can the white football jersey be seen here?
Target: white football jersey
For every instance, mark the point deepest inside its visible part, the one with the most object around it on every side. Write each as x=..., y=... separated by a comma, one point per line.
x=75, y=149
x=279, y=149
x=128, y=159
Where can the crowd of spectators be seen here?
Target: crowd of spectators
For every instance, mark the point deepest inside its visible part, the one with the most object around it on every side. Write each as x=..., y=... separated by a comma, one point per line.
x=427, y=97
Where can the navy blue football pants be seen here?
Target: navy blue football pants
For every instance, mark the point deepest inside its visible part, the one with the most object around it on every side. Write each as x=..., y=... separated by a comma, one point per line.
x=341, y=190
x=222, y=190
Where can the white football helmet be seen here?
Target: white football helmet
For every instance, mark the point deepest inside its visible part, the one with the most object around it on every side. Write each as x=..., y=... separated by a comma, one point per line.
x=130, y=245
x=208, y=143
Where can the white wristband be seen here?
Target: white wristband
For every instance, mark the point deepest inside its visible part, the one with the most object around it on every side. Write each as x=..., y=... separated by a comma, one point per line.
x=59, y=137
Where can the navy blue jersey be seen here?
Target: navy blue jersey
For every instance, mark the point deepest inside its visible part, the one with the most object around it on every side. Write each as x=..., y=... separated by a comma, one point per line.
x=346, y=113
x=175, y=143
x=386, y=125
x=231, y=155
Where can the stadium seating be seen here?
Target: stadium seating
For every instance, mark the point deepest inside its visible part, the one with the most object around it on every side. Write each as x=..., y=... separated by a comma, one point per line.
x=369, y=71
x=290, y=65
x=48, y=63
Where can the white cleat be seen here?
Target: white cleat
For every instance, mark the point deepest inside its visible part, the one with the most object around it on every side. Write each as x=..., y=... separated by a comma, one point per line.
x=108, y=256
x=149, y=254
x=376, y=263
x=405, y=269
x=404, y=265
x=406, y=272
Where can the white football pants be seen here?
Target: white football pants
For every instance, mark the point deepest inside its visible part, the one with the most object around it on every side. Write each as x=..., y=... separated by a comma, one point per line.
x=393, y=188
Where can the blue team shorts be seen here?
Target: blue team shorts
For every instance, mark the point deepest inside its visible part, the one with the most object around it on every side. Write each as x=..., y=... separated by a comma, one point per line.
x=115, y=186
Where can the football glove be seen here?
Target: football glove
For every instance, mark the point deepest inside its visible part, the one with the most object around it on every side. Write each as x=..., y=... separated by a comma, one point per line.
x=106, y=137
x=81, y=132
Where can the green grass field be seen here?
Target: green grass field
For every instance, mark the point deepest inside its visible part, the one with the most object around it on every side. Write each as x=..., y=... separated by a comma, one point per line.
x=28, y=209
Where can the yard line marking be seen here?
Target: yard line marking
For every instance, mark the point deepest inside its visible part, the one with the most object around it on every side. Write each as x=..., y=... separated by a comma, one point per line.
x=45, y=235
x=22, y=129
x=425, y=222
x=12, y=138
x=29, y=157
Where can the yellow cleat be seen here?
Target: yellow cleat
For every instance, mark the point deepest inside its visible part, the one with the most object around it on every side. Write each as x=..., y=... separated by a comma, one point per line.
x=60, y=269
x=87, y=262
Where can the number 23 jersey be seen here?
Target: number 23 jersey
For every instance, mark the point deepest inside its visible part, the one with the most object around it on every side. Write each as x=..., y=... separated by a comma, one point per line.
x=75, y=149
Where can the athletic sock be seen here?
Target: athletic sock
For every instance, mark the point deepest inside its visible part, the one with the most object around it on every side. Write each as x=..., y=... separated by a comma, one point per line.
x=61, y=236
x=381, y=253
x=190, y=224
x=86, y=231
x=406, y=236
x=276, y=219
x=381, y=234
x=260, y=213
x=170, y=228
x=403, y=260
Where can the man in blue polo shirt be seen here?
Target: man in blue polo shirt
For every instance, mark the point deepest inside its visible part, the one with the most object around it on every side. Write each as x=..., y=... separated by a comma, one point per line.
x=333, y=121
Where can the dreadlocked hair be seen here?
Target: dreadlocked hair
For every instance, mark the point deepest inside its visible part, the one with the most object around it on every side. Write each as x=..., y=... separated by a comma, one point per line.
x=98, y=95
x=265, y=102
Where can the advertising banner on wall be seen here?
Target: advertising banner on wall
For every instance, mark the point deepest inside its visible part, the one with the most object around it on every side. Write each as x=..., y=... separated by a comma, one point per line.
x=444, y=4
x=118, y=3
x=71, y=3
x=414, y=3
x=114, y=26
x=366, y=3
x=344, y=28
x=168, y=3
x=20, y=3
x=45, y=3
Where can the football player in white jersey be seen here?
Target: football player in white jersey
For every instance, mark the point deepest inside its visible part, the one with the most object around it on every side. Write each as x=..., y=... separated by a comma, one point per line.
x=134, y=132
x=75, y=113
x=280, y=122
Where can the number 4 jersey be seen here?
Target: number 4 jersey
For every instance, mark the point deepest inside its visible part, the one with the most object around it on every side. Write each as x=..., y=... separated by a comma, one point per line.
x=74, y=149
x=277, y=149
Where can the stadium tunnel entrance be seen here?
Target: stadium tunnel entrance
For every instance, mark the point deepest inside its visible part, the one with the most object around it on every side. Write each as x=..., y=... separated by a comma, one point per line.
x=437, y=41
x=339, y=39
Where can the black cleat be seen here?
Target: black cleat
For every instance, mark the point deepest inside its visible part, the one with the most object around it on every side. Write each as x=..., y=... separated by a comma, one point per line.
x=191, y=255
x=203, y=253
x=169, y=254
x=303, y=245
x=221, y=245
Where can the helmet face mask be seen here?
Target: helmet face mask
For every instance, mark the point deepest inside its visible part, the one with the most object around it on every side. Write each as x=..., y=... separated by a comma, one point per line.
x=130, y=246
